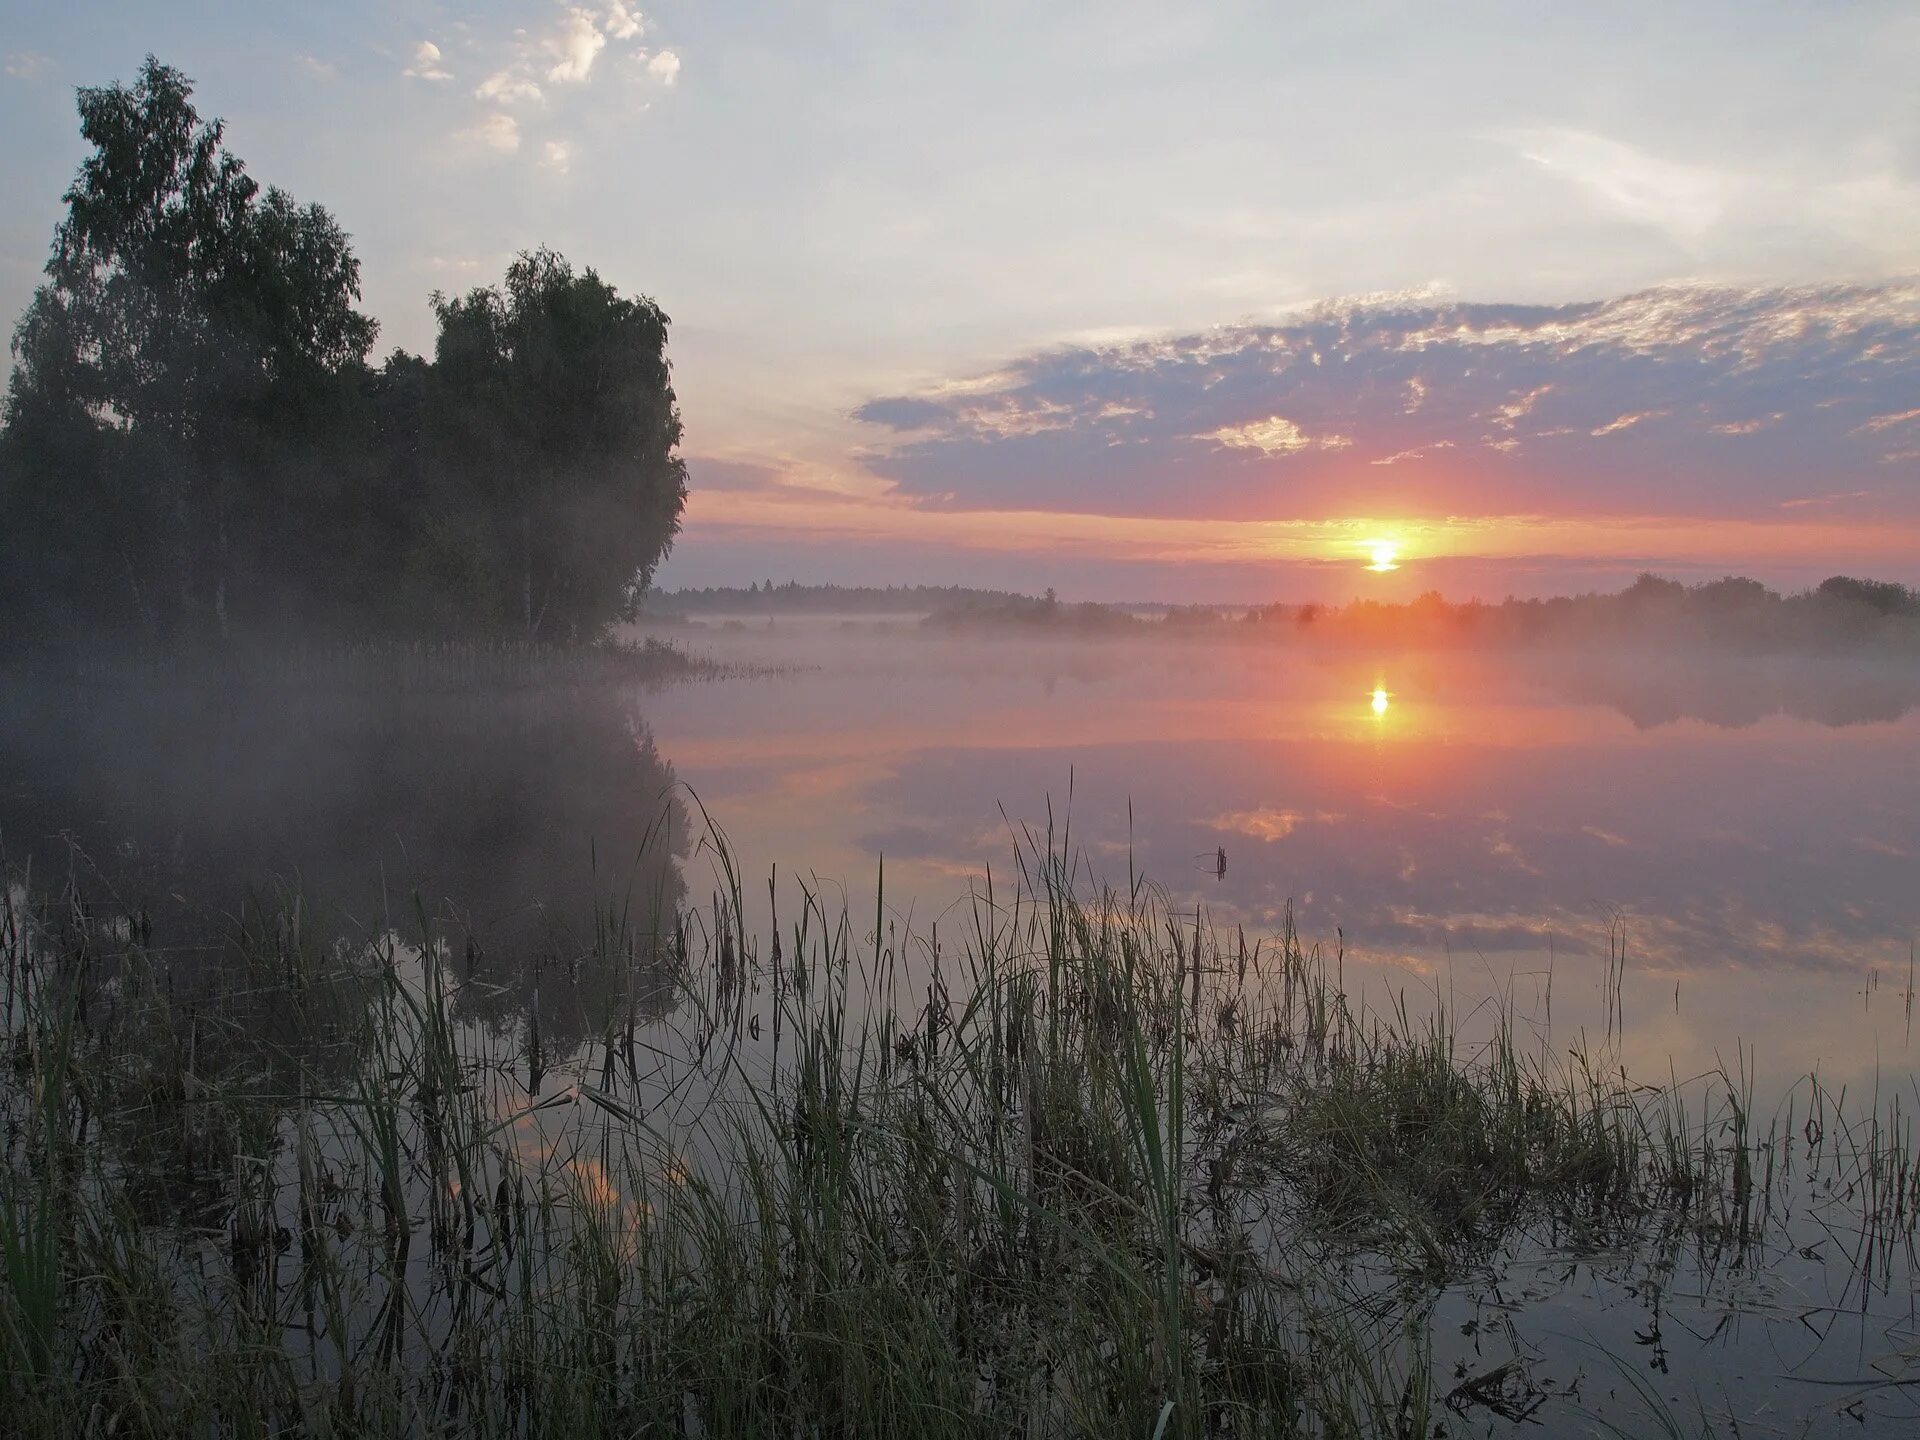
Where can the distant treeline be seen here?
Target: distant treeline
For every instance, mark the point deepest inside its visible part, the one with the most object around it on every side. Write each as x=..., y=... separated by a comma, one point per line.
x=196, y=447
x=1048, y=612
x=1733, y=611
x=793, y=598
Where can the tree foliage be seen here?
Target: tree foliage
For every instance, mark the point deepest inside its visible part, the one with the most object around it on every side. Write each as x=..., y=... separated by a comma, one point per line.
x=1884, y=597
x=195, y=444
x=554, y=416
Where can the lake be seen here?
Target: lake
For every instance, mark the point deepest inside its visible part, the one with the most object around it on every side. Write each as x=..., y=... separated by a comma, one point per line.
x=1695, y=871
x=1747, y=829
x=1744, y=830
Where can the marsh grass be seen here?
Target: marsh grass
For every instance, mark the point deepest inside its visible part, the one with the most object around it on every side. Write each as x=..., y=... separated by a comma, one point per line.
x=1101, y=1169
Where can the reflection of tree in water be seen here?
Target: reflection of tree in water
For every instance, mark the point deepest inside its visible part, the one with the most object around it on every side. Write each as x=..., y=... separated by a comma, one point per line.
x=1734, y=693
x=536, y=831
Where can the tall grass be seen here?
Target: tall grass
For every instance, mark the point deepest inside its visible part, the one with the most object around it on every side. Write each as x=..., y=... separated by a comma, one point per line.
x=1101, y=1170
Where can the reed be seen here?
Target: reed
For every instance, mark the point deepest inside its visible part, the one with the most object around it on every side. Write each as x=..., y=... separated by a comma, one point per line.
x=1102, y=1170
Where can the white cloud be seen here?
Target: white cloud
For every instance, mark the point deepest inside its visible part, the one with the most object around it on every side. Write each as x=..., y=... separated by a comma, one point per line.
x=1834, y=499
x=318, y=68
x=1419, y=452
x=506, y=87
x=497, y=132
x=1275, y=435
x=1887, y=422
x=26, y=64
x=1864, y=196
x=535, y=59
x=1748, y=427
x=1625, y=422
x=623, y=22
x=574, y=48
x=1684, y=200
x=1510, y=414
x=426, y=63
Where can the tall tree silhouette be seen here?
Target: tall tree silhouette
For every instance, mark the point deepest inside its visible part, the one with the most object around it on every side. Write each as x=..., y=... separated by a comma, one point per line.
x=554, y=417
x=194, y=444
x=190, y=329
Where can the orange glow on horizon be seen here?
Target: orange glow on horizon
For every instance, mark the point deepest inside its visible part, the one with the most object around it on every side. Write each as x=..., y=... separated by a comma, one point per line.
x=810, y=515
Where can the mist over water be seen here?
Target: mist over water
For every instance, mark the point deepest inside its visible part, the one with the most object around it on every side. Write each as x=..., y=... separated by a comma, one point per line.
x=1473, y=822
x=1462, y=824
x=517, y=818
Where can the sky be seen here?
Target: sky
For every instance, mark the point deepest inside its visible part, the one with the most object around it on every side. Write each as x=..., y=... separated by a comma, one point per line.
x=1143, y=301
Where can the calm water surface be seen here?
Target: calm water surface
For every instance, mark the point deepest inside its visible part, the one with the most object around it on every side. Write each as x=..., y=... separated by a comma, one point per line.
x=1748, y=829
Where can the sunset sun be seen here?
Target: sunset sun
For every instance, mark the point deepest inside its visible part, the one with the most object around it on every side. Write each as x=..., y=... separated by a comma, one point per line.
x=1383, y=552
